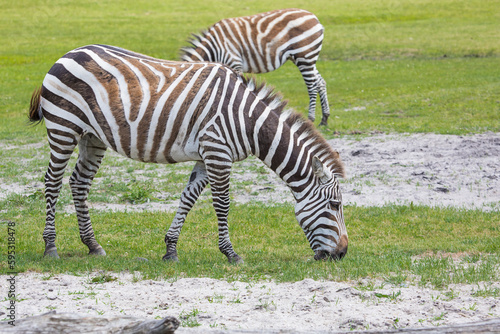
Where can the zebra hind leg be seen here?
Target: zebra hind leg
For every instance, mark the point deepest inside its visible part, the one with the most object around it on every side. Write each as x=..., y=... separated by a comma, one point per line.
x=309, y=73
x=197, y=182
x=62, y=146
x=313, y=94
x=325, y=107
x=89, y=159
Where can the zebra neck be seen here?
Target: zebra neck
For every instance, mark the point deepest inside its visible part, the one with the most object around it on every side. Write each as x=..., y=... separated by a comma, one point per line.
x=284, y=150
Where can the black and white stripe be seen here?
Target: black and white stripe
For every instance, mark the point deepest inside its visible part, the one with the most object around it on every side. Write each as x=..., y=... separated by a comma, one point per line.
x=262, y=43
x=161, y=111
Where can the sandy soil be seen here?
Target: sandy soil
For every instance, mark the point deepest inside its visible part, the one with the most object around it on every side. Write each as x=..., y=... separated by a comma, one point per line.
x=302, y=305
x=426, y=169
x=429, y=169
x=437, y=170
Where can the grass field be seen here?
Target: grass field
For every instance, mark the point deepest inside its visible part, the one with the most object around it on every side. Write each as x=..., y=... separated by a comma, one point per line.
x=390, y=66
x=394, y=243
x=397, y=66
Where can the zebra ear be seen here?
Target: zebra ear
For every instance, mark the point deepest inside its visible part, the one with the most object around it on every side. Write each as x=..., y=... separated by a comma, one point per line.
x=320, y=171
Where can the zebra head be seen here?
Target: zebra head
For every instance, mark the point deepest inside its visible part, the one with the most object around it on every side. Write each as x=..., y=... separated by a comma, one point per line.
x=320, y=214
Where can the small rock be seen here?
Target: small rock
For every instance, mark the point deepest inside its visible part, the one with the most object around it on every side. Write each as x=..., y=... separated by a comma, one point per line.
x=442, y=190
x=204, y=316
x=353, y=324
x=356, y=153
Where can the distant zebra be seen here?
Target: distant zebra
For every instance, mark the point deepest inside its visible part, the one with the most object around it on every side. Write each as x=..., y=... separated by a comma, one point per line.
x=161, y=111
x=262, y=43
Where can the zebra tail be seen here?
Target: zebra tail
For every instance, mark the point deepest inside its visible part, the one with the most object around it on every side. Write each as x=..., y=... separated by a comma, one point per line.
x=35, y=113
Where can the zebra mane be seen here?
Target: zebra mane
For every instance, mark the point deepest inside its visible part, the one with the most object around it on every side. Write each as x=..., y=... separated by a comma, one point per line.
x=302, y=127
x=305, y=129
x=266, y=93
x=194, y=41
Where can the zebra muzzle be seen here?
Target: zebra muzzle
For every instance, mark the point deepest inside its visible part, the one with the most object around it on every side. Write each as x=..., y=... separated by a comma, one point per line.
x=339, y=252
x=324, y=255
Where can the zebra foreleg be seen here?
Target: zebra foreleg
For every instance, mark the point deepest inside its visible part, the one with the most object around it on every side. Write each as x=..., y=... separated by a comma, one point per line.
x=219, y=174
x=325, y=107
x=59, y=157
x=89, y=159
x=197, y=182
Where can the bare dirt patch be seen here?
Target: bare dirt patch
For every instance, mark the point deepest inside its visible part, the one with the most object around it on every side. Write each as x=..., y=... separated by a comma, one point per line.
x=426, y=169
x=214, y=304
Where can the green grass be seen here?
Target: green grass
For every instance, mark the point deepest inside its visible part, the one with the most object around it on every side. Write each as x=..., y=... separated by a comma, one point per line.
x=449, y=96
x=392, y=243
x=419, y=66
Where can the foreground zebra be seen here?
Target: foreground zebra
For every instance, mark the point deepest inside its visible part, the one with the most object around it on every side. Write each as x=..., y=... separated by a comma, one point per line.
x=161, y=111
x=262, y=43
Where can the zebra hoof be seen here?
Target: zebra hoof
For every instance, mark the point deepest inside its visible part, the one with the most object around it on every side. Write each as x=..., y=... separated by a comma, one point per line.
x=170, y=258
x=51, y=252
x=236, y=260
x=99, y=251
x=324, y=121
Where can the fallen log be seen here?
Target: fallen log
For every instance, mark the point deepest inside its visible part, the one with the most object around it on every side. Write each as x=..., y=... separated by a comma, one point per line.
x=491, y=326
x=53, y=322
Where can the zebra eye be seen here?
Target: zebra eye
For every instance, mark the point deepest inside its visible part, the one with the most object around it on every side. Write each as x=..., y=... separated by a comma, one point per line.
x=335, y=205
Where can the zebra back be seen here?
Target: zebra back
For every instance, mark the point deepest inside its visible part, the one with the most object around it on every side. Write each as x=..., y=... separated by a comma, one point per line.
x=259, y=43
x=144, y=108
